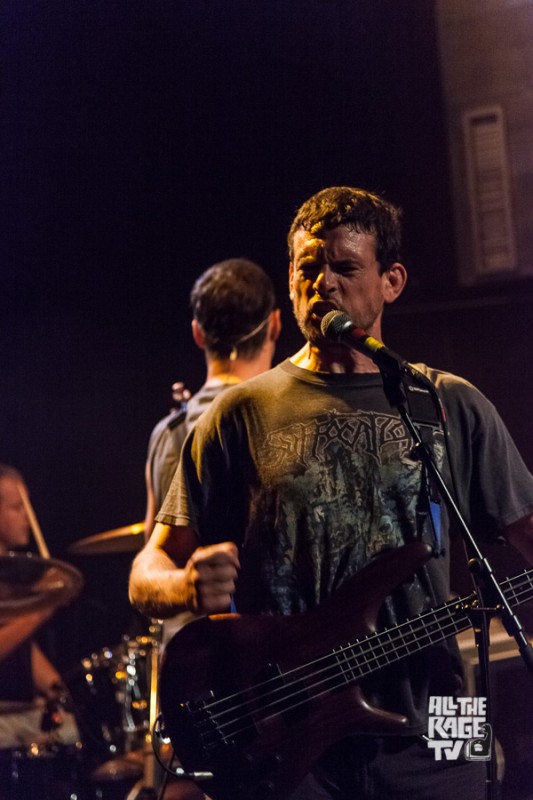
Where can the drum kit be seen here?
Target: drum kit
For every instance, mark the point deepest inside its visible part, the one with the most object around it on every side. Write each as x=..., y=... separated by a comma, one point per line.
x=112, y=693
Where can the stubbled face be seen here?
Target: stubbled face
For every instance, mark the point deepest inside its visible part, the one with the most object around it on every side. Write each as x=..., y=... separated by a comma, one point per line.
x=336, y=270
x=14, y=524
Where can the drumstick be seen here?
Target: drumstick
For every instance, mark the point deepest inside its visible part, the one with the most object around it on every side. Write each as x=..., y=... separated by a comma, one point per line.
x=38, y=534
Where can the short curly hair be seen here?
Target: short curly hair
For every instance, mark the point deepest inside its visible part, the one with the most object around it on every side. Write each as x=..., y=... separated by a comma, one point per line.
x=359, y=210
x=231, y=300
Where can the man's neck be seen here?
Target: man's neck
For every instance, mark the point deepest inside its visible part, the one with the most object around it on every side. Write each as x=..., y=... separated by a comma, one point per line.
x=228, y=371
x=336, y=360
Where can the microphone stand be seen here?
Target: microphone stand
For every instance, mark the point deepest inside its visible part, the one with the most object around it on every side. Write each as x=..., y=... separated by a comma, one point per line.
x=491, y=597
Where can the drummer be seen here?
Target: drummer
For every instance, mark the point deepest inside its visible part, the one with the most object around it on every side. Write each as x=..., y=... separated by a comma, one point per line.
x=31, y=690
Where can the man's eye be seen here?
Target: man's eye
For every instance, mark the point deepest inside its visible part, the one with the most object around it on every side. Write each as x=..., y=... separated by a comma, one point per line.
x=307, y=268
x=345, y=268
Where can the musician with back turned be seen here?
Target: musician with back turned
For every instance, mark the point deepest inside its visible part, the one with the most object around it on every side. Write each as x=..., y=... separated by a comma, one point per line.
x=298, y=479
x=236, y=324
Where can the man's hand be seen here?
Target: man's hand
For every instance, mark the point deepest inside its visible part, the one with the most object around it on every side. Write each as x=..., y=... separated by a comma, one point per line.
x=172, y=574
x=211, y=574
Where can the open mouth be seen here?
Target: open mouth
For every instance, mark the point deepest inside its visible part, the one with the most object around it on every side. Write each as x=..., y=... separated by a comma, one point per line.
x=320, y=308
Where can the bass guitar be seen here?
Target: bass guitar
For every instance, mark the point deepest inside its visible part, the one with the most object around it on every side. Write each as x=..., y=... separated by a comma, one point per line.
x=255, y=700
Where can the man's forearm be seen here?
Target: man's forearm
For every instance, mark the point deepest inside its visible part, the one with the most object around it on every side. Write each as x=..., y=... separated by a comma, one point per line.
x=15, y=632
x=173, y=574
x=157, y=587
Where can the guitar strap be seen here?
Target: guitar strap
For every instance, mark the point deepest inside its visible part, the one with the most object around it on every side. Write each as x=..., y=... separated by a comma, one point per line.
x=428, y=515
x=427, y=417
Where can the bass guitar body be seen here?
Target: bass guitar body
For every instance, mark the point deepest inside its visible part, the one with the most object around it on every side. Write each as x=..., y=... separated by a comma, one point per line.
x=255, y=700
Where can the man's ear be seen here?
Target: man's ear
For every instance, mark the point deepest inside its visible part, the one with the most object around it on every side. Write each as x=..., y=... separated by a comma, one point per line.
x=274, y=325
x=394, y=280
x=291, y=280
x=198, y=334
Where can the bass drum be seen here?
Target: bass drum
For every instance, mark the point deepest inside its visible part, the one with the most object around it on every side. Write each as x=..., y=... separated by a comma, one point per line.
x=46, y=772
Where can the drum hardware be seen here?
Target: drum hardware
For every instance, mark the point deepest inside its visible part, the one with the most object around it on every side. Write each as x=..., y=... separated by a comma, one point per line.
x=148, y=787
x=155, y=787
x=139, y=674
x=51, y=719
x=110, y=691
x=135, y=679
x=115, y=694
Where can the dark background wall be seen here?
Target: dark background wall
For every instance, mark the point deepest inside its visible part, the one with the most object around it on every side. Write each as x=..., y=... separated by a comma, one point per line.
x=142, y=141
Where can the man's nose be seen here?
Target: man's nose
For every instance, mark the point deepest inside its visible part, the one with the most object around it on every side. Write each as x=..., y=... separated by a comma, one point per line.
x=324, y=281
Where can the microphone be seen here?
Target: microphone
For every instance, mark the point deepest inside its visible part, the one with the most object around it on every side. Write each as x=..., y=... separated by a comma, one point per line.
x=340, y=328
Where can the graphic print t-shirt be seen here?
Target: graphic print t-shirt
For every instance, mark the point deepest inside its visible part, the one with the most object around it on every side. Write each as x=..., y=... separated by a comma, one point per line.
x=312, y=475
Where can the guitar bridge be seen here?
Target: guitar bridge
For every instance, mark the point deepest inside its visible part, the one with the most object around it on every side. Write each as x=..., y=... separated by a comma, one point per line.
x=221, y=723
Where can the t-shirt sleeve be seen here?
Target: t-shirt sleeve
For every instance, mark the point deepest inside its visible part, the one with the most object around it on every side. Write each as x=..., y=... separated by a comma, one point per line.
x=493, y=485
x=178, y=507
x=163, y=455
x=202, y=491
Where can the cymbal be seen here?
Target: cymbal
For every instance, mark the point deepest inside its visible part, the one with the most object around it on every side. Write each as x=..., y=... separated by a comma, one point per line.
x=128, y=539
x=30, y=583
